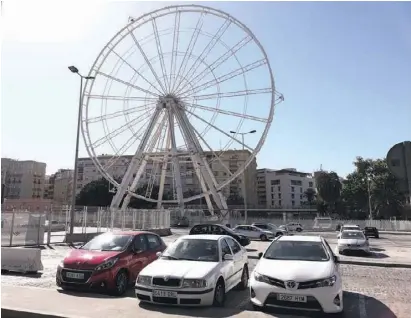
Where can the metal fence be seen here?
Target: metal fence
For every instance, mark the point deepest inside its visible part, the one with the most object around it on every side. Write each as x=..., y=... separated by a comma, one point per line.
x=23, y=228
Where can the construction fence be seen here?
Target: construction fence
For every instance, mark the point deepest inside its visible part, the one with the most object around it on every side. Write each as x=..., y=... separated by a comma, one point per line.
x=23, y=228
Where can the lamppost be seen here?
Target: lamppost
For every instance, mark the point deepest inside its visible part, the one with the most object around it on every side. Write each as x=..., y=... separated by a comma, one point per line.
x=369, y=197
x=75, y=70
x=244, y=183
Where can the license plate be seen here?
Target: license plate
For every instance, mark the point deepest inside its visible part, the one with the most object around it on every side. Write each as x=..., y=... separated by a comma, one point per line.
x=75, y=275
x=164, y=293
x=295, y=298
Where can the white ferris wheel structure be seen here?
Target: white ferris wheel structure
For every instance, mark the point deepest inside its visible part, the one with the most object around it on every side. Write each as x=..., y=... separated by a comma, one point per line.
x=168, y=88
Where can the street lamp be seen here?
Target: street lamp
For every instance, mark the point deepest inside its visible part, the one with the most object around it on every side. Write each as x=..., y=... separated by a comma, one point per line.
x=369, y=197
x=75, y=70
x=244, y=184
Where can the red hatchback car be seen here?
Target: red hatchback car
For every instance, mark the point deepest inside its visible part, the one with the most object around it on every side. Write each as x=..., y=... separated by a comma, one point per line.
x=109, y=262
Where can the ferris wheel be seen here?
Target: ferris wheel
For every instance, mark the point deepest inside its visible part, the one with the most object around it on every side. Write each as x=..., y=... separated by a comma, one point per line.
x=174, y=89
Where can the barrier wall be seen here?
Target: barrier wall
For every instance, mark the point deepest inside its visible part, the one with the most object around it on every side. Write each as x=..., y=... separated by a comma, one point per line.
x=22, y=260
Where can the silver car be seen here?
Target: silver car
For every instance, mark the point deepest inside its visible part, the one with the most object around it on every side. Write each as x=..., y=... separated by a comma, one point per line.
x=254, y=232
x=353, y=240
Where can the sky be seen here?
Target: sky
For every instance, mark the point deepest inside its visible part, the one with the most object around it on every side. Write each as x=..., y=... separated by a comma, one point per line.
x=344, y=69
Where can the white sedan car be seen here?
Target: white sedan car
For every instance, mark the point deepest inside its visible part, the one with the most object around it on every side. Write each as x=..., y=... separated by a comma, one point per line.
x=348, y=227
x=298, y=272
x=253, y=232
x=195, y=270
x=353, y=241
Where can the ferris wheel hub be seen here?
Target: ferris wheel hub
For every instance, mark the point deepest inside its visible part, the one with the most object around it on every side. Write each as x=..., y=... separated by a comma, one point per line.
x=168, y=101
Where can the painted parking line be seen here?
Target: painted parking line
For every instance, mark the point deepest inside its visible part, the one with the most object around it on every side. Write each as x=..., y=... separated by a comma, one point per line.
x=362, y=311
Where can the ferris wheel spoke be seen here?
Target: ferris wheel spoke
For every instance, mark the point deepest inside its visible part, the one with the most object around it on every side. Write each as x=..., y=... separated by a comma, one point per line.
x=160, y=53
x=226, y=77
x=122, y=98
x=189, y=51
x=136, y=71
x=221, y=60
x=220, y=130
x=174, y=50
x=196, y=132
x=147, y=61
x=128, y=84
x=234, y=94
x=227, y=112
x=120, y=113
x=207, y=49
x=120, y=130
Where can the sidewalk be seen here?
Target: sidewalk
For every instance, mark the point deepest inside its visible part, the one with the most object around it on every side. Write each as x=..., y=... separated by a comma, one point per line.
x=52, y=303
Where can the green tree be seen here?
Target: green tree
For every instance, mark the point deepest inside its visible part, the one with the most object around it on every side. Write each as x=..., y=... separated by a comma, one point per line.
x=329, y=189
x=372, y=182
x=95, y=193
x=310, y=195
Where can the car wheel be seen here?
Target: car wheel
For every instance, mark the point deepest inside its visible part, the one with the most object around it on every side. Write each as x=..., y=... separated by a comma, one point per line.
x=299, y=229
x=219, y=294
x=263, y=237
x=243, y=284
x=121, y=282
x=377, y=236
x=257, y=308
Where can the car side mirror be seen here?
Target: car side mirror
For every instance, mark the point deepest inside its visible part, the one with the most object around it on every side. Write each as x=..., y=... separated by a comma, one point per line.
x=228, y=257
x=260, y=255
x=336, y=259
x=158, y=254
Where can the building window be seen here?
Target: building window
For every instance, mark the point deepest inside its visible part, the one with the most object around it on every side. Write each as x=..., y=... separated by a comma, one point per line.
x=301, y=190
x=279, y=189
x=310, y=184
x=275, y=182
x=272, y=195
x=279, y=202
x=301, y=196
x=292, y=189
x=279, y=195
x=293, y=203
x=292, y=196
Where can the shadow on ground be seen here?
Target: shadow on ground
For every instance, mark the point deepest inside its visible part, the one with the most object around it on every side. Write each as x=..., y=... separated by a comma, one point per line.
x=28, y=274
x=373, y=255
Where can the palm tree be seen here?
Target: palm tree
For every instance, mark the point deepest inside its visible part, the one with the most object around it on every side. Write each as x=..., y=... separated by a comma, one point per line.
x=310, y=195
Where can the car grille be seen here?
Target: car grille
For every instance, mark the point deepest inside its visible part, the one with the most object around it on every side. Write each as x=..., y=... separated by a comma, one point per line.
x=311, y=304
x=308, y=284
x=276, y=282
x=64, y=277
x=170, y=282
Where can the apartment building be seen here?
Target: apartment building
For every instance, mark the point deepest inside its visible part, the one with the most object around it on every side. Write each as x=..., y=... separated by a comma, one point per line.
x=23, y=179
x=283, y=188
x=231, y=161
x=62, y=187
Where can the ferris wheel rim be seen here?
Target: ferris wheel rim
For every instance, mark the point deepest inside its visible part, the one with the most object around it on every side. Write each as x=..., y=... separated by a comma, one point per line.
x=130, y=27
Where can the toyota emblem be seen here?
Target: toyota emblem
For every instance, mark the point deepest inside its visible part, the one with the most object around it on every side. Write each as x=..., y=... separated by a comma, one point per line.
x=166, y=278
x=291, y=284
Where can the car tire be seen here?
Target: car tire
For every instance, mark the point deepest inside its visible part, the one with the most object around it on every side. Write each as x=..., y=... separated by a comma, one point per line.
x=121, y=282
x=377, y=236
x=299, y=229
x=243, y=284
x=257, y=308
x=263, y=237
x=219, y=294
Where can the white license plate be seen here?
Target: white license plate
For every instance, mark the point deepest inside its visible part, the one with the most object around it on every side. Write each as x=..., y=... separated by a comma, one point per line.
x=75, y=275
x=295, y=298
x=164, y=293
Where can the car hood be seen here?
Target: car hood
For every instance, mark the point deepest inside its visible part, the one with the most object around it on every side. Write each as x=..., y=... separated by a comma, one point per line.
x=299, y=271
x=351, y=241
x=182, y=269
x=85, y=259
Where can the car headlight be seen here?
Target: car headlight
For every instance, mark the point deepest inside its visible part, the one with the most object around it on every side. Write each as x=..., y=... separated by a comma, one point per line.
x=328, y=282
x=143, y=280
x=107, y=264
x=261, y=278
x=61, y=264
x=194, y=283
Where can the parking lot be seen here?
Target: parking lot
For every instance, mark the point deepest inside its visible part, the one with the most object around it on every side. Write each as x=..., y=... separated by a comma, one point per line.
x=374, y=292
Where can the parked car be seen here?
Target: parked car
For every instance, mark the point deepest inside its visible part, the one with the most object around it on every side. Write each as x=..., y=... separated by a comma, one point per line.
x=254, y=232
x=348, y=227
x=181, y=221
x=371, y=231
x=294, y=227
x=55, y=226
x=219, y=229
x=272, y=228
x=109, y=262
x=299, y=272
x=195, y=270
x=353, y=241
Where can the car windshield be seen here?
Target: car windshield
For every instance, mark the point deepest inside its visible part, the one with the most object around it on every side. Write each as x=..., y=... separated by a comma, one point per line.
x=193, y=250
x=108, y=242
x=352, y=235
x=297, y=251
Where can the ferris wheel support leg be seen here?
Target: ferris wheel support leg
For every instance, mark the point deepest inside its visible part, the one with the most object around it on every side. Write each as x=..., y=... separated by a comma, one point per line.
x=135, y=161
x=163, y=175
x=134, y=183
x=195, y=148
x=204, y=188
x=176, y=163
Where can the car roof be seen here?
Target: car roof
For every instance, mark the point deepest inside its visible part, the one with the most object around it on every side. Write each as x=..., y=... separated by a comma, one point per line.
x=353, y=231
x=301, y=238
x=350, y=225
x=131, y=232
x=213, y=237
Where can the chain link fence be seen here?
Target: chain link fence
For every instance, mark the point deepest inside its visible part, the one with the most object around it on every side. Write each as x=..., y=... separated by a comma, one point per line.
x=24, y=228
